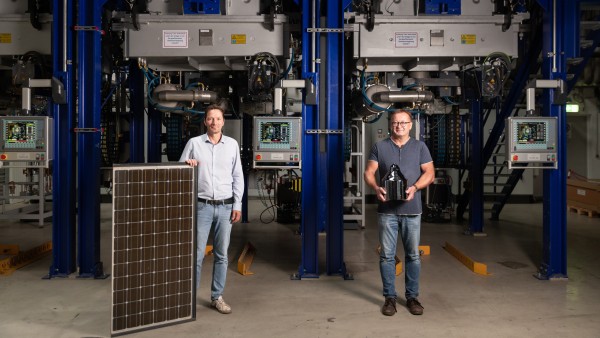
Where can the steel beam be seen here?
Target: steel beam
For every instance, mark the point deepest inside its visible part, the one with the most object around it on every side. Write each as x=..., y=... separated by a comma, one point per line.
x=309, y=265
x=476, y=171
x=89, y=98
x=136, y=132
x=63, y=174
x=334, y=148
x=153, y=137
x=554, y=260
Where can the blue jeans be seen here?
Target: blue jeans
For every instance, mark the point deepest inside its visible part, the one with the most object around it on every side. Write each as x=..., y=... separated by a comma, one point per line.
x=219, y=216
x=409, y=227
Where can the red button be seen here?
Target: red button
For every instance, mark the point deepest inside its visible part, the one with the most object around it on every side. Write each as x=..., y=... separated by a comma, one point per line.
x=515, y=157
x=3, y=157
x=258, y=157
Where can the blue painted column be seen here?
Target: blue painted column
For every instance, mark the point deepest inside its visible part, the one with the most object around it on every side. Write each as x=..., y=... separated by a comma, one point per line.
x=554, y=263
x=136, y=129
x=476, y=171
x=309, y=266
x=63, y=170
x=335, y=121
x=89, y=78
x=153, y=137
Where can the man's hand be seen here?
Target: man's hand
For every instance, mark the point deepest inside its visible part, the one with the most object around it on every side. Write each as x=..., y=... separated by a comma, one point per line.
x=192, y=162
x=381, y=193
x=410, y=192
x=236, y=216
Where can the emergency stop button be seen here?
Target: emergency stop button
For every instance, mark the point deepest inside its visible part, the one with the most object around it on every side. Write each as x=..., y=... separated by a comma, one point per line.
x=3, y=157
x=258, y=157
x=515, y=157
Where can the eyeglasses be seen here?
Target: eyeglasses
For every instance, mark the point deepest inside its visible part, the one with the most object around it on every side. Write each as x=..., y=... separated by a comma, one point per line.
x=403, y=124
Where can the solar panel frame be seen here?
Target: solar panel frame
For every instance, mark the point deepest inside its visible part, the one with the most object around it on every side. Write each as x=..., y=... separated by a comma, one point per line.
x=153, y=246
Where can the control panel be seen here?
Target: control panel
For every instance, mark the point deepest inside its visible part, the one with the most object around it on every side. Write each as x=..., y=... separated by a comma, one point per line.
x=532, y=142
x=26, y=141
x=277, y=142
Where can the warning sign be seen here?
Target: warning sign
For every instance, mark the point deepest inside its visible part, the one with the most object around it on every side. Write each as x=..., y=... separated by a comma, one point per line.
x=407, y=40
x=468, y=39
x=5, y=38
x=238, y=39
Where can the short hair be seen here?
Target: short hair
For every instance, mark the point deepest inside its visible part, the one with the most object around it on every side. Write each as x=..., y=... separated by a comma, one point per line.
x=400, y=111
x=214, y=107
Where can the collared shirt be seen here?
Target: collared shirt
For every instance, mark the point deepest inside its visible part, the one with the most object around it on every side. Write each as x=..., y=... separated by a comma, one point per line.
x=220, y=173
x=409, y=158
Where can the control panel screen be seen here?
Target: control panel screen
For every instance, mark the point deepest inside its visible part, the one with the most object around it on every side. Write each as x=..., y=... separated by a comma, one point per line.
x=20, y=134
x=532, y=142
x=531, y=132
x=277, y=142
x=275, y=132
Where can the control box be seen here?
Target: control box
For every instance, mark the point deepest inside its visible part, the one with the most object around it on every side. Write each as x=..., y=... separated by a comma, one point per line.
x=532, y=142
x=277, y=142
x=26, y=141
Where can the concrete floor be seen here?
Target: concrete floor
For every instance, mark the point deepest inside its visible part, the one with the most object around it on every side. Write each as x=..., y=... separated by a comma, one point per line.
x=458, y=303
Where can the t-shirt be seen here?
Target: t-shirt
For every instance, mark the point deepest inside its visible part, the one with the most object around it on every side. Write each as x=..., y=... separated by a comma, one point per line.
x=409, y=158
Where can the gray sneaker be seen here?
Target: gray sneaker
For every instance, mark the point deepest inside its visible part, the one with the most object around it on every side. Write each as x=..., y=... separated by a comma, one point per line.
x=220, y=305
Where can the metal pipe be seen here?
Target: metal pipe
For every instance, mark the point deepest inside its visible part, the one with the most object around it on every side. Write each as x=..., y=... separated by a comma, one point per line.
x=388, y=97
x=278, y=101
x=530, y=100
x=26, y=92
x=544, y=84
x=26, y=100
x=313, y=43
x=554, y=36
x=187, y=95
x=64, y=37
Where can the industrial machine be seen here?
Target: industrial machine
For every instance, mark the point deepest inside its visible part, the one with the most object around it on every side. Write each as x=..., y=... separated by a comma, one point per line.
x=308, y=85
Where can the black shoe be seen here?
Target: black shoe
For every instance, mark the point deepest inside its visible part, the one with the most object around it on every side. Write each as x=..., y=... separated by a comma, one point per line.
x=389, y=307
x=414, y=306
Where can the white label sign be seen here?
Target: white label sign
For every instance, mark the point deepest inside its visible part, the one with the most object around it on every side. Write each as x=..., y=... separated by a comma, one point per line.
x=175, y=39
x=277, y=156
x=407, y=39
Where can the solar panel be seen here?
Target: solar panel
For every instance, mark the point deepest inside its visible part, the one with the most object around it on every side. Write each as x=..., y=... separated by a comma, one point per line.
x=153, y=255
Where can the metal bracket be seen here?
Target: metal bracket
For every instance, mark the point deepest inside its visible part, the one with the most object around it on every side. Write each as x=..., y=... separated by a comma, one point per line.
x=88, y=28
x=324, y=131
x=88, y=130
x=325, y=30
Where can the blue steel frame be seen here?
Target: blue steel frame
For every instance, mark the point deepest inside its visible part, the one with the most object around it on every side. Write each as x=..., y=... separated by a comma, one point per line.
x=136, y=129
x=153, y=137
x=89, y=77
x=476, y=209
x=554, y=261
x=63, y=175
x=309, y=265
x=335, y=121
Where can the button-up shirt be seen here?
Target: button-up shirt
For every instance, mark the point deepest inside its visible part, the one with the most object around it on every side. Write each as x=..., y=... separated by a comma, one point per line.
x=220, y=173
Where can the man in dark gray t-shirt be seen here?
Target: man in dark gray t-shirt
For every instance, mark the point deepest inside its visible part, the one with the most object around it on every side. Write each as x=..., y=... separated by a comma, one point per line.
x=404, y=217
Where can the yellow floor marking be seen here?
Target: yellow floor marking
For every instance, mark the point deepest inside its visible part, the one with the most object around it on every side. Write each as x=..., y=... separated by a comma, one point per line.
x=478, y=268
x=245, y=260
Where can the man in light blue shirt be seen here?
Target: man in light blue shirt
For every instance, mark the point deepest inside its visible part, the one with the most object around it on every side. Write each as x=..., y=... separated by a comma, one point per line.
x=220, y=191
